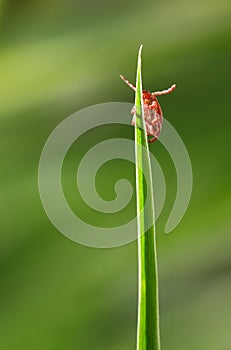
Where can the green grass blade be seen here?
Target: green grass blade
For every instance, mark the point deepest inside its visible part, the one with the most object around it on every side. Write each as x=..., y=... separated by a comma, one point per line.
x=148, y=334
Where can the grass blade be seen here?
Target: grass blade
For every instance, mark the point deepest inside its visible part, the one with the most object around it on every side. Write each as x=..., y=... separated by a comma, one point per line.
x=148, y=334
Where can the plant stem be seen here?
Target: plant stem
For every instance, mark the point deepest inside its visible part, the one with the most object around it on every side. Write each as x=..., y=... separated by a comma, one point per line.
x=148, y=333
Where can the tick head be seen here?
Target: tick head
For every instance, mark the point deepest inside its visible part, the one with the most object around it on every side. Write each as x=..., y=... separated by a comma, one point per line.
x=146, y=97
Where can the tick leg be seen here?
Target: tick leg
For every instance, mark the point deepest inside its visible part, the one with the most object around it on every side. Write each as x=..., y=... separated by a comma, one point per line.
x=165, y=92
x=152, y=140
x=128, y=82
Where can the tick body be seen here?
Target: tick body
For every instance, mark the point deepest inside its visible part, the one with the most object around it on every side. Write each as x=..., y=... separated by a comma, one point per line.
x=153, y=115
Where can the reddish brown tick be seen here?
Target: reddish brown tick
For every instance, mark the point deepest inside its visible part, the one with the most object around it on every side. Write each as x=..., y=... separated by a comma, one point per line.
x=153, y=114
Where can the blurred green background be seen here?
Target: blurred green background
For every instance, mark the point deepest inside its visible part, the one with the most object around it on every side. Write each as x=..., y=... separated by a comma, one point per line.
x=57, y=57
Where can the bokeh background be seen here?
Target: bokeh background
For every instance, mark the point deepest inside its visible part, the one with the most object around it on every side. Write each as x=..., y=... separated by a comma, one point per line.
x=57, y=57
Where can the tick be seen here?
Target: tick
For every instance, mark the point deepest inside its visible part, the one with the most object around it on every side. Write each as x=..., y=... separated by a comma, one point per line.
x=153, y=114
